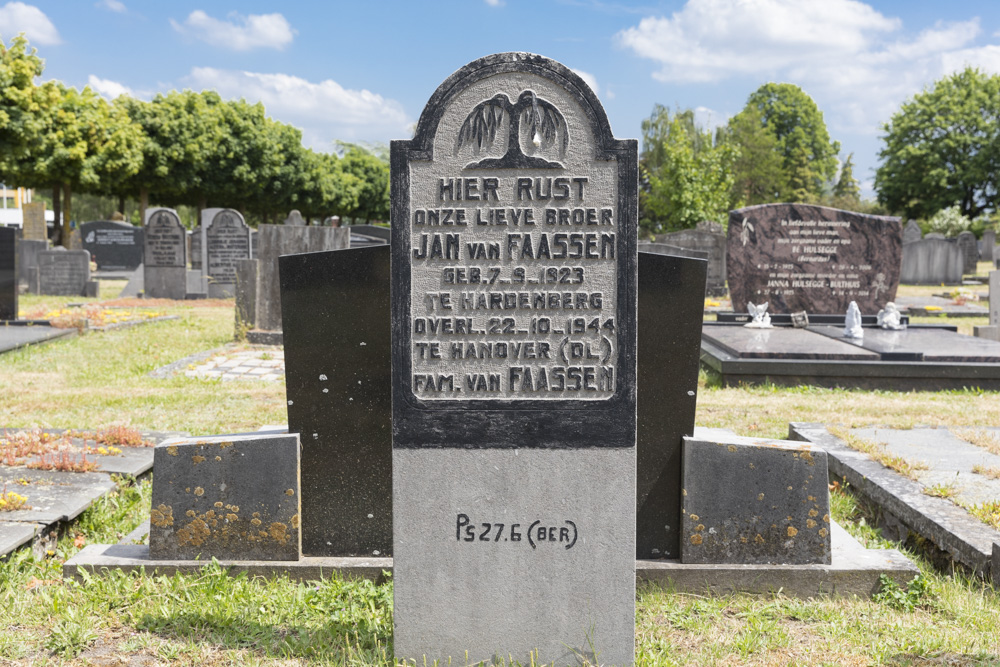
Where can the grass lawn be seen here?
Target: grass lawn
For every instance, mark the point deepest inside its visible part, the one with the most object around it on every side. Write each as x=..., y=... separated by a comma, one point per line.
x=100, y=379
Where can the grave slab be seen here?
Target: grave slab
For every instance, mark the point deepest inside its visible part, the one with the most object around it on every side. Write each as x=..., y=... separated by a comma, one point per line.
x=14, y=534
x=749, y=500
x=783, y=343
x=54, y=495
x=226, y=497
x=337, y=380
x=15, y=337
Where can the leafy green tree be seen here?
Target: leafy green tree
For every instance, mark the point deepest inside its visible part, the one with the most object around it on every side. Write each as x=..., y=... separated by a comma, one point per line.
x=687, y=176
x=372, y=173
x=22, y=107
x=847, y=186
x=809, y=157
x=942, y=148
x=758, y=173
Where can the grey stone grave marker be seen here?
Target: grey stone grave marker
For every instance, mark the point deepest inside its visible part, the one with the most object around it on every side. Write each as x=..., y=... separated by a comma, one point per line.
x=63, y=272
x=801, y=257
x=28, y=262
x=932, y=261
x=8, y=273
x=196, y=248
x=114, y=246
x=970, y=251
x=33, y=224
x=912, y=232
x=513, y=372
x=992, y=330
x=165, y=264
x=708, y=238
x=227, y=240
x=295, y=219
x=986, y=245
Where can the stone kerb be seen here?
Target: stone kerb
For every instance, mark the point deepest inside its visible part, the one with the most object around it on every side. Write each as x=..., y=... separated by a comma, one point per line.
x=508, y=382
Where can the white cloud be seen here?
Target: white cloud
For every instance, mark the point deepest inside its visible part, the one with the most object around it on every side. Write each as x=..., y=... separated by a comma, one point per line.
x=494, y=3
x=239, y=33
x=113, y=5
x=107, y=88
x=325, y=111
x=856, y=62
x=589, y=78
x=709, y=119
x=18, y=17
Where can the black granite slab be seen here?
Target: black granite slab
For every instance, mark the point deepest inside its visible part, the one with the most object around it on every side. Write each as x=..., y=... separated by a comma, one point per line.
x=335, y=314
x=918, y=344
x=8, y=273
x=781, y=343
x=671, y=298
x=114, y=246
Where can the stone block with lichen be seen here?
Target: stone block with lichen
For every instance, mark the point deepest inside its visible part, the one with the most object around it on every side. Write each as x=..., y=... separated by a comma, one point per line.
x=754, y=501
x=233, y=497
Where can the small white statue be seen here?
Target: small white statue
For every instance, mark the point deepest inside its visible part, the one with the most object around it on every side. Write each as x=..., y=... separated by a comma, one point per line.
x=852, y=322
x=761, y=320
x=890, y=318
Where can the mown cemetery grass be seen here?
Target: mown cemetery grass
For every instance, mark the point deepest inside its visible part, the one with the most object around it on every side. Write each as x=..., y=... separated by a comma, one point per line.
x=100, y=379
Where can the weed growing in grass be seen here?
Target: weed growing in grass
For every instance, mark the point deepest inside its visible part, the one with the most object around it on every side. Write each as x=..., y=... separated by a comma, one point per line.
x=988, y=512
x=118, y=435
x=11, y=501
x=70, y=635
x=983, y=439
x=992, y=473
x=18, y=446
x=63, y=462
x=949, y=490
x=918, y=593
x=877, y=451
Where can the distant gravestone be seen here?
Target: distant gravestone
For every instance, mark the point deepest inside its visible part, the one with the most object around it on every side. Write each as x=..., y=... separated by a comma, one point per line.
x=934, y=260
x=63, y=272
x=706, y=240
x=8, y=273
x=912, y=232
x=970, y=251
x=513, y=375
x=33, y=225
x=165, y=265
x=986, y=245
x=196, y=248
x=992, y=330
x=228, y=241
x=799, y=257
x=277, y=240
x=254, y=243
x=114, y=246
x=28, y=262
x=295, y=219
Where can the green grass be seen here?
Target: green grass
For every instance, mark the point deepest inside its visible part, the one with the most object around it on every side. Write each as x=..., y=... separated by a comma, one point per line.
x=101, y=379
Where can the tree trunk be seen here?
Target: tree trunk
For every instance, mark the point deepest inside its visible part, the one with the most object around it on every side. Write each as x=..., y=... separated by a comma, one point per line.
x=67, y=212
x=121, y=206
x=57, y=212
x=143, y=205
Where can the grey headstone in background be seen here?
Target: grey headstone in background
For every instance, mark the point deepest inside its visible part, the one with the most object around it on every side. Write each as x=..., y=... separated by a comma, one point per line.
x=246, y=295
x=992, y=331
x=514, y=476
x=295, y=219
x=706, y=240
x=254, y=243
x=33, y=226
x=63, y=272
x=228, y=241
x=934, y=235
x=231, y=497
x=8, y=273
x=932, y=261
x=277, y=240
x=113, y=246
x=970, y=251
x=754, y=501
x=912, y=232
x=196, y=248
x=164, y=264
x=986, y=245
x=28, y=262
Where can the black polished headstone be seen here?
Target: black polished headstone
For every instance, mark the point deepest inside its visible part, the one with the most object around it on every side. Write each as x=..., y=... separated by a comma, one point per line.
x=335, y=310
x=8, y=273
x=671, y=300
x=113, y=246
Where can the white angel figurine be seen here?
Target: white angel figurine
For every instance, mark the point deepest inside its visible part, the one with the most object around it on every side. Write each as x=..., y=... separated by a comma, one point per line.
x=760, y=318
x=890, y=318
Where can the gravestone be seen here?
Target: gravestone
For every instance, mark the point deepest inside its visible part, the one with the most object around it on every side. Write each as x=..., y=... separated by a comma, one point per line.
x=165, y=266
x=277, y=240
x=114, y=246
x=33, y=224
x=231, y=497
x=801, y=257
x=295, y=219
x=8, y=273
x=227, y=240
x=912, y=232
x=337, y=381
x=992, y=330
x=254, y=242
x=196, y=248
x=987, y=243
x=932, y=261
x=28, y=262
x=708, y=240
x=970, y=251
x=63, y=272
x=513, y=371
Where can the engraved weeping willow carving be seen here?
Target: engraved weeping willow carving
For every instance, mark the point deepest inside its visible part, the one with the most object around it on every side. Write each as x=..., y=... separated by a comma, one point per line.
x=544, y=122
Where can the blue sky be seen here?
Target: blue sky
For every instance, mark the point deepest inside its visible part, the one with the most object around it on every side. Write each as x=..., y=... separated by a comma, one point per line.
x=362, y=71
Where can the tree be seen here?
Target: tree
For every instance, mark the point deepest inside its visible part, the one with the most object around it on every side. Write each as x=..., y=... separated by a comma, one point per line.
x=758, y=174
x=847, y=186
x=809, y=157
x=687, y=177
x=22, y=106
x=373, y=175
x=942, y=148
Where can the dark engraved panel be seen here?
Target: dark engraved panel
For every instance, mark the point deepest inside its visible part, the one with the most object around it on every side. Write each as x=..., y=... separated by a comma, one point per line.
x=165, y=240
x=113, y=246
x=8, y=273
x=228, y=240
x=801, y=257
x=335, y=310
x=671, y=299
